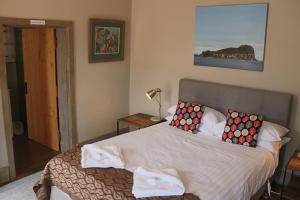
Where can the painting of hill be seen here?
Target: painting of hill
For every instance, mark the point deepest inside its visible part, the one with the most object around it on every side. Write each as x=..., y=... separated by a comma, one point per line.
x=231, y=36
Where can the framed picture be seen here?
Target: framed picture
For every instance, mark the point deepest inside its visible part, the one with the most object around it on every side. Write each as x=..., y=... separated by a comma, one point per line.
x=106, y=40
x=231, y=36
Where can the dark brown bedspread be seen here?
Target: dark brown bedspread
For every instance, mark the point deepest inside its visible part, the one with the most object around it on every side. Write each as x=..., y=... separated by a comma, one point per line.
x=65, y=172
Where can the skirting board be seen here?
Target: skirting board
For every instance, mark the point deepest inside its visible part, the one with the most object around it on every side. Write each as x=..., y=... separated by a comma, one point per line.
x=4, y=175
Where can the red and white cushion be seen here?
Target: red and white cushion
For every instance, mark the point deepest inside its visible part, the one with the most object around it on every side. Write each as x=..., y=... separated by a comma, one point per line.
x=187, y=116
x=242, y=128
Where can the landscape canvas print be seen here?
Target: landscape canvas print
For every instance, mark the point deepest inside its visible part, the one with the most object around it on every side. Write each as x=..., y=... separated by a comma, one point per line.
x=231, y=36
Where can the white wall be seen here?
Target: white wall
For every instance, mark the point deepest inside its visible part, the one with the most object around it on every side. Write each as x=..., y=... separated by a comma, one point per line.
x=102, y=89
x=162, y=49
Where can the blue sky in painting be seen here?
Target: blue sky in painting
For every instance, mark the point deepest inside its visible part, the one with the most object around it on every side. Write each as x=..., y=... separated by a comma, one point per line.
x=219, y=27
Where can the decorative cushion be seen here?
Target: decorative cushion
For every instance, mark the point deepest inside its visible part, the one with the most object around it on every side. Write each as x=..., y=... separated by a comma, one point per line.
x=187, y=116
x=242, y=128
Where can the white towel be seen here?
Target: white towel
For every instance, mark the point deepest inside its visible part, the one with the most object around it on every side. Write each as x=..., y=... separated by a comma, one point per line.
x=94, y=155
x=151, y=182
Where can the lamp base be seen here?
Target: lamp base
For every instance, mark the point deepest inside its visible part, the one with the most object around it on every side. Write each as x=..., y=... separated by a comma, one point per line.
x=155, y=119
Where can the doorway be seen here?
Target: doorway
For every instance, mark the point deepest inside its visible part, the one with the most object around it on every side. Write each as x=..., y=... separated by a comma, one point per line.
x=32, y=84
x=37, y=87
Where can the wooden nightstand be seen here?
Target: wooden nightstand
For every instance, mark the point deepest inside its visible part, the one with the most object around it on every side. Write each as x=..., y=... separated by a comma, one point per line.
x=138, y=120
x=294, y=165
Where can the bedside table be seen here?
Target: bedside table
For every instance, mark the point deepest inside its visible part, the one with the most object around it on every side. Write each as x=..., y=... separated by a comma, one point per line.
x=138, y=120
x=294, y=165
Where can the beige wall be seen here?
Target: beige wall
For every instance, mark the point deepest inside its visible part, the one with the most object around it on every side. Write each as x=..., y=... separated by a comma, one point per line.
x=102, y=89
x=163, y=46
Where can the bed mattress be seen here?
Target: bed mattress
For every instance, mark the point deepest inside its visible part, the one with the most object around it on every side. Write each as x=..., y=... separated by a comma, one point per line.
x=210, y=169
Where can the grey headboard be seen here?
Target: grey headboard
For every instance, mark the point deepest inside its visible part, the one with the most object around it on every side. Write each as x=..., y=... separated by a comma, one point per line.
x=274, y=106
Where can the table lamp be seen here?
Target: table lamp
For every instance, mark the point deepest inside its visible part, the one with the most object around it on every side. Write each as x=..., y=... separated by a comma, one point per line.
x=155, y=94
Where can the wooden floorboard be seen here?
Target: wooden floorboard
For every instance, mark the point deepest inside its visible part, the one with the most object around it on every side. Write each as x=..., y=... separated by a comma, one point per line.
x=291, y=192
x=30, y=156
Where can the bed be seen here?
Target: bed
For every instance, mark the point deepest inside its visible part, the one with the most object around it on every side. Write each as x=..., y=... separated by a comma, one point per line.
x=209, y=168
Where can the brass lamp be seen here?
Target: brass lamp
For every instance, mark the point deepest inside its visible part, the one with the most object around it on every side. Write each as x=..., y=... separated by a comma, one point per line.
x=155, y=94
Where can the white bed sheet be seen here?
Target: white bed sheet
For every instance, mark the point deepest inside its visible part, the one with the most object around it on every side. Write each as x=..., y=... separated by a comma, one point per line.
x=209, y=168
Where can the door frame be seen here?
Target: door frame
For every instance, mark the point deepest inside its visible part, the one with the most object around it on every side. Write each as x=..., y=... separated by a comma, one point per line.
x=65, y=84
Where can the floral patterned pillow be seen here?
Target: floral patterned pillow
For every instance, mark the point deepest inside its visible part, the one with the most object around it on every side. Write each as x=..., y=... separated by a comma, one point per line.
x=187, y=116
x=242, y=128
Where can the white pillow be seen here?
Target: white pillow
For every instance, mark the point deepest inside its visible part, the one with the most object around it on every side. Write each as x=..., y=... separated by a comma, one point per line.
x=211, y=121
x=219, y=129
x=273, y=147
x=217, y=132
x=169, y=118
x=172, y=109
x=271, y=132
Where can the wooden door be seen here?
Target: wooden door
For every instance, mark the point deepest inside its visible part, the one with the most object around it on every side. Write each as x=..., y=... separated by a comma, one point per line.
x=40, y=75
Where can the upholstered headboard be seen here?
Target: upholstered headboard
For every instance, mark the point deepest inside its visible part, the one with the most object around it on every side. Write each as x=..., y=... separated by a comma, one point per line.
x=274, y=106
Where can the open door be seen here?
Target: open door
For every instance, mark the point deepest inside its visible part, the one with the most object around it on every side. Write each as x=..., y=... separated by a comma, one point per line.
x=39, y=59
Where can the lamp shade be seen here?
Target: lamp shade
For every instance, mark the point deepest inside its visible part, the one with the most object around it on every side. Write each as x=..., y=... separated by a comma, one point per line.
x=151, y=93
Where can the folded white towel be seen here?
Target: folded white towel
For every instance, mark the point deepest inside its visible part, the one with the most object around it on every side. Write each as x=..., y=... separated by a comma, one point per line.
x=94, y=155
x=151, y=182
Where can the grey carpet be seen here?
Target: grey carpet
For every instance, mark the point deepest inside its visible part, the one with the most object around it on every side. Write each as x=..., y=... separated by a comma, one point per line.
x=20, y=189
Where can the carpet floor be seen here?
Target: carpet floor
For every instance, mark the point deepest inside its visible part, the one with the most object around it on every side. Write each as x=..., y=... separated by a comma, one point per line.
x=20, y=189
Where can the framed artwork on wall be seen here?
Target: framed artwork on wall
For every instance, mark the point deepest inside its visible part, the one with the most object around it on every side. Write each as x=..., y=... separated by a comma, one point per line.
x=231, y=36
x=106, y=40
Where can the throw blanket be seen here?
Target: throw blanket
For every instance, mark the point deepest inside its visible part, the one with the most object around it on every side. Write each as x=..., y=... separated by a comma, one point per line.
x=65, y=172
x=152, y=182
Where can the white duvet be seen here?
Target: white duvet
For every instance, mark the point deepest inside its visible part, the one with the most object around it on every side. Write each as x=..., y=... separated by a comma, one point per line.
x=209, y=168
